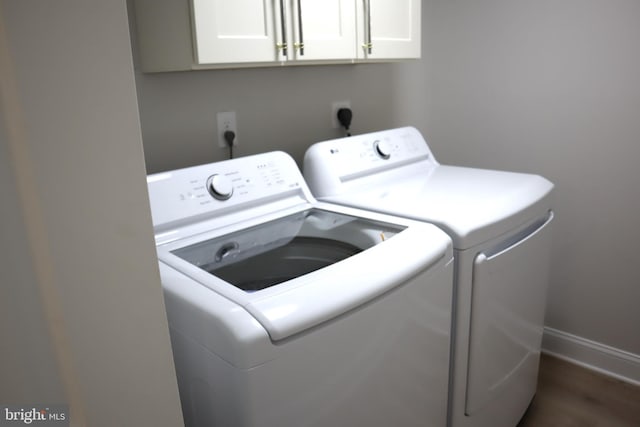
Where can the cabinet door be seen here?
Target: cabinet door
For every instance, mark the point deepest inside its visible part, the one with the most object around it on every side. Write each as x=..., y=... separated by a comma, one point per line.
x=389, y=29
x=324, y=29
x=233, y=31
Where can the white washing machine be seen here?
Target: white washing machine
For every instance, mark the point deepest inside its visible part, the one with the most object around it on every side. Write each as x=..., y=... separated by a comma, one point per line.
x=500, y=226
x=285, y=311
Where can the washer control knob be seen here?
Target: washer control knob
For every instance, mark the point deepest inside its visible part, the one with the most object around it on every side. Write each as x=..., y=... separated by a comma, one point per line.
x=219, y=187
x=382, y=148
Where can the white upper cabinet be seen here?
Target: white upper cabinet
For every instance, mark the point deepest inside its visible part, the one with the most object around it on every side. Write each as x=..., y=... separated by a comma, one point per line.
x=233, y=31
x=198, y=34
x=389, y=29
x=323, y=29
x=266, y=30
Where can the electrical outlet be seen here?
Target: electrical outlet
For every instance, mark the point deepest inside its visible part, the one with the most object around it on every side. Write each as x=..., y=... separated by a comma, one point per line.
x=227, y=121
x=334, y=112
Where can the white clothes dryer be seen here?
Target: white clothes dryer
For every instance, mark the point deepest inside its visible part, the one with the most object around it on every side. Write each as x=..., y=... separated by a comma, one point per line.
x=500, y=226
x=285, y=311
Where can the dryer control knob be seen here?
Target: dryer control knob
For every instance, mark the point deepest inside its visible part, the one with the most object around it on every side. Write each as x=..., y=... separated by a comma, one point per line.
x=382, y=148
x=219, y=187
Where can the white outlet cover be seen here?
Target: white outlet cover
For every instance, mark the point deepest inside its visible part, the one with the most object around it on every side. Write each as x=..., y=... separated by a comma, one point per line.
x=226, y=121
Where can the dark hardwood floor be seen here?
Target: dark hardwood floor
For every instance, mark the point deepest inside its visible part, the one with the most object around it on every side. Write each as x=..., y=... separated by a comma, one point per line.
x=571, y=396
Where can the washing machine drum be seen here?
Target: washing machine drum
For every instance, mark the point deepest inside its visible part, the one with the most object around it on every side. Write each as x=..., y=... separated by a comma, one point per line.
x=277, y=251
x=298, y=256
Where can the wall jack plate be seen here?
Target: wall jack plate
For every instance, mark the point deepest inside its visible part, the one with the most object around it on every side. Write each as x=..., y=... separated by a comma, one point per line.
x=226, y=121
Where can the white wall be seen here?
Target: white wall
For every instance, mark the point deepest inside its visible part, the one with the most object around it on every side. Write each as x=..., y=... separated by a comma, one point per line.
x=81, y=311
x=553, y=87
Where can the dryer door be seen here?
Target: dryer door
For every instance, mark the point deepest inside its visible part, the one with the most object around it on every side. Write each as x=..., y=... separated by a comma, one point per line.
x=508, y=305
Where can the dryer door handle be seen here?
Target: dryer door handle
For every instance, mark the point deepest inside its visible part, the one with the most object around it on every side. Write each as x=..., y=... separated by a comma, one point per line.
x=518, y=238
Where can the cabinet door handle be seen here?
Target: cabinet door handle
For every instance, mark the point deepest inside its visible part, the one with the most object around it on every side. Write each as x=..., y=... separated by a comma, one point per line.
x=368, y=45
x=283, y=28
x=300, y=44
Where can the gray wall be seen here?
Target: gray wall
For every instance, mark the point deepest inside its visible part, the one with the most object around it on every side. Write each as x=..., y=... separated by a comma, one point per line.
x=82, y=319
x=27, y=348
x=278, y=108
x=550, y=87
x=553, y=87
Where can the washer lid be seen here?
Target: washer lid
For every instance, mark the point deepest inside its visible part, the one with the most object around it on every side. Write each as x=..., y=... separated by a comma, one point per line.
x=300, y=270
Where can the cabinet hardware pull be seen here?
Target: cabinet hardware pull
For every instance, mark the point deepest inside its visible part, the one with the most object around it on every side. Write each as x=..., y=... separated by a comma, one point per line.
x=283, y=28
x=300, y=44
x=368, y=45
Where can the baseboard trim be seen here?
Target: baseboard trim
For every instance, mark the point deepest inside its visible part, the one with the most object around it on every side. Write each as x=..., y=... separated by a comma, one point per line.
x=592, y=355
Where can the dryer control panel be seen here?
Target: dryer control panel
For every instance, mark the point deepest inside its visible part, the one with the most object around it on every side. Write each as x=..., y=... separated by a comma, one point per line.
x=366, y=155
x=222, y=187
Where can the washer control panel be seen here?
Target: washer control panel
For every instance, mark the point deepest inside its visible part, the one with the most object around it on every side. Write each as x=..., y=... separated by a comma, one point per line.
x=219, y=187
x=198, y=190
